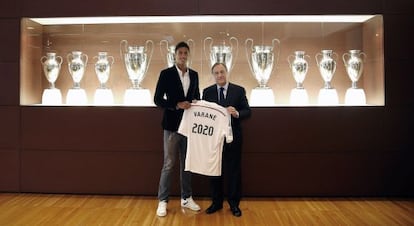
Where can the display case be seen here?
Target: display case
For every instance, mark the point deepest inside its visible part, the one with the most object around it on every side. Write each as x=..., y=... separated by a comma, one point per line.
x=329, y=60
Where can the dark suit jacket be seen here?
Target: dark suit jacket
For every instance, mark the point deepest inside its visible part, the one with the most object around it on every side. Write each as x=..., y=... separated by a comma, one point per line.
x=236, y=97
x=169, y=84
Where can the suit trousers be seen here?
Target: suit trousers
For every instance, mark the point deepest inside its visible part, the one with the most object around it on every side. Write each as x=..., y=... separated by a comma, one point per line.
x=231, y=172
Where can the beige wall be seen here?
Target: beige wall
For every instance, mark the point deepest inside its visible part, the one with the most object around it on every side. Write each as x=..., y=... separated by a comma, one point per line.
x=309, y=37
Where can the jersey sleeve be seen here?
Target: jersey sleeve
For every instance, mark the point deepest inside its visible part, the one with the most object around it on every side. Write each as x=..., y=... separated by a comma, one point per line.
x=229, y=130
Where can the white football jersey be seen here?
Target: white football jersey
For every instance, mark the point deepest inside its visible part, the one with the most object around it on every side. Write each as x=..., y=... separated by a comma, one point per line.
x=205, y=124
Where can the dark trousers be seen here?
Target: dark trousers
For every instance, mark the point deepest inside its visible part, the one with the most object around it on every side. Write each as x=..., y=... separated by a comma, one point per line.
x=231, y=172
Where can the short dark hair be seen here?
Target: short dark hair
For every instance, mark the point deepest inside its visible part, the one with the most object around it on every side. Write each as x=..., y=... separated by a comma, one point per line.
x=181, y=45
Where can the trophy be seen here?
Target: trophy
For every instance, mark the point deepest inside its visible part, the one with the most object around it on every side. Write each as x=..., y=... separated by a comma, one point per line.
x=354, y=64
x=299, y=67
x=327, y=66
x=103, y=65
x=137, y=60
x=103, y=68
x=51, y=67
x=221, y=53
x=169, y=51
x=77, y=62
x=261, y=59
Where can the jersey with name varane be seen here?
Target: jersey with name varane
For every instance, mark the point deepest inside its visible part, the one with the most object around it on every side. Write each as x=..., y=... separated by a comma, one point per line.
x=205, y=124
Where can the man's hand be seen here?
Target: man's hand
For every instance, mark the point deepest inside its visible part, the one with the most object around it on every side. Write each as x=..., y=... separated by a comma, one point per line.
x=233, y=111
x=184, y=105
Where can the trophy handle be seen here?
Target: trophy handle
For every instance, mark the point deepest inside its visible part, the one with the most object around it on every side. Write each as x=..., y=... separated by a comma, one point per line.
x=112, y=59
x=289, y=60
x=234, y=40
x=247, y=46
x=149, y=44
x=204, y=47
x=317, y=59
x=162, y=50
x=60, y=61
x=334, y=56
x=162, y=44
x=85, y=57
x=363, y=56
x=191, y=44
x=275, y=40
x=43, y=60
x=345, y=56
x=123, y=48
x=68, y=57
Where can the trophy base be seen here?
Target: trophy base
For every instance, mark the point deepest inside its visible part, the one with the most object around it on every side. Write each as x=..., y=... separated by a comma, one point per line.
x=355, y=97
x=262, y=97
x=51, y=96
x=76, y=97
x=103, y=97
x=299, y=97
x=328, y=97
x=137, y=97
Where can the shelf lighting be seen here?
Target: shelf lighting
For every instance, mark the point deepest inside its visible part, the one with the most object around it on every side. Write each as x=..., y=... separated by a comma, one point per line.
x=203, y=19
x=103, y=97
x=355, y=97
x=137, y=97
x=299, y=97
x=262, y=97
x=328, y=97
x=76, y=97
x=51, y=97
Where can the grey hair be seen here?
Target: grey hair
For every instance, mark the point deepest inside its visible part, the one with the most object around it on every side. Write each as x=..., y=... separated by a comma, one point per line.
x=218, y=63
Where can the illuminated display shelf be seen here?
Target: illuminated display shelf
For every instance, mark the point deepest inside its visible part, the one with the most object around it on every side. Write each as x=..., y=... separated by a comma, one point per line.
x=308, y=33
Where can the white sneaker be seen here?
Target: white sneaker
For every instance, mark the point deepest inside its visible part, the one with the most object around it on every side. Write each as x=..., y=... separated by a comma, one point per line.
x=190, y=204
x=162, y=209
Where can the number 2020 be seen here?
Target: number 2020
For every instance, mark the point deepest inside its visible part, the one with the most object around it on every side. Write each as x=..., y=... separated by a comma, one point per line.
x=203, y=129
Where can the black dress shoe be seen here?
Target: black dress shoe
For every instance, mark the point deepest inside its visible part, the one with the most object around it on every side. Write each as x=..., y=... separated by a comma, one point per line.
x=235, y=210
x=213, y=208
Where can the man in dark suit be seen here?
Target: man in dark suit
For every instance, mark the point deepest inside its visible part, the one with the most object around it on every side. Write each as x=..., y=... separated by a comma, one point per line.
x=233, y=97
x=176, y=88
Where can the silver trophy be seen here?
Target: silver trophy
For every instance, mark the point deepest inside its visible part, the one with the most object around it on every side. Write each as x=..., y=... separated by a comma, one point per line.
x=169, y=51
x=221, y=53
x=51, y=67
x=77, y=62
x=137, y=60
x=354, y=64
x=299, y=67
x=327, y=66
x=261, y=60
x=103, y=68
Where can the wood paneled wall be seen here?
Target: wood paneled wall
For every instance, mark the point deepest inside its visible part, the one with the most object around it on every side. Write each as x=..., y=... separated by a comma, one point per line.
x=288, y=151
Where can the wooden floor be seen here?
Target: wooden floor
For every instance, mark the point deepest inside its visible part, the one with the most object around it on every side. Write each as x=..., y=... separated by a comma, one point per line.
x=48, y=209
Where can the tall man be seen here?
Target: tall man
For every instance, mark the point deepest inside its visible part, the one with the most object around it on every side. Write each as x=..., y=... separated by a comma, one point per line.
x=233, y=97
x=176, y=88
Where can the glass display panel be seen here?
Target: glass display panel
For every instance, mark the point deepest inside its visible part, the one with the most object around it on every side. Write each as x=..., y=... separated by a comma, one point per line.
x=328, y=60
